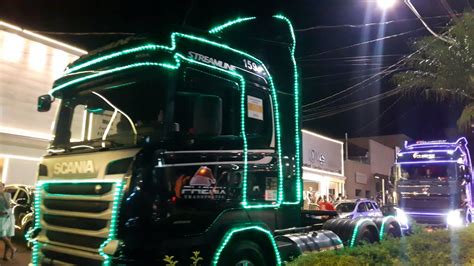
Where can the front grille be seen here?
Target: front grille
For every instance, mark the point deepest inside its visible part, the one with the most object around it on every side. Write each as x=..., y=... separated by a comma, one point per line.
x=76, y=205
x=78, y=188
x=51, y=256
x=75, y=222
x=74, y=239
x=76, y=216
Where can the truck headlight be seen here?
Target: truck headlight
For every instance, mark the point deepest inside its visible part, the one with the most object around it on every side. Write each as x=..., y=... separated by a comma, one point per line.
x=454, y=218
x=402, y=217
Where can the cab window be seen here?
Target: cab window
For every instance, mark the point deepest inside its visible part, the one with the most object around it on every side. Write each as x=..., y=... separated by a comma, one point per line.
x=361, y=207
x=207, y=111
x=258, y=123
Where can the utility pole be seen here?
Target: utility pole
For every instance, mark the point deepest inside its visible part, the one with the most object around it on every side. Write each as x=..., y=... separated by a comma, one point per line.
x=347, y=146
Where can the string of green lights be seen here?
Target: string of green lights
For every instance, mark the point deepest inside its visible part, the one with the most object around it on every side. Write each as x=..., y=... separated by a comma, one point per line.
x=230, y=233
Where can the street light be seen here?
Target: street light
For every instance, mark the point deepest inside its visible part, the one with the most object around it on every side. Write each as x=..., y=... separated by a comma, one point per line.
x=386, y=4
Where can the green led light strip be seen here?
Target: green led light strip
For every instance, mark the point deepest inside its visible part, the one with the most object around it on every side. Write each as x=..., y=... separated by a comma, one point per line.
x=110, y=71
x=176, y=66
x=228, y=24
x=227, y=237
x=37, y=223
x=299, y=184
x=382, y=227
x=113, y=55
x=297, y=103
x=113, y=221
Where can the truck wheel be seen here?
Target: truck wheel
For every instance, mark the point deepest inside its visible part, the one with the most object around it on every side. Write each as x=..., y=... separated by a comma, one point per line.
x=365, y=236
x=243, y=253
x=390, y=227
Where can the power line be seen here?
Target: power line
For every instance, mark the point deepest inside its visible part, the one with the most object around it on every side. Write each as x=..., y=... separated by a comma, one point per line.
x=355, y=26
x=342, y=73
x=380, y=115
x=351, y=57
x=355, y=85
x=350, y=106
x=362, y=43
x=444, y=39
x=383, y=73
x=362, y=82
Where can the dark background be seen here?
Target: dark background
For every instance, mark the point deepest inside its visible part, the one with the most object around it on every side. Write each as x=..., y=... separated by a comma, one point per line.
x=412, y=114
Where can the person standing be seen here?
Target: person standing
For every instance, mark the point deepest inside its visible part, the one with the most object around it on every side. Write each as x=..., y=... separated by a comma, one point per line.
x=7, y=222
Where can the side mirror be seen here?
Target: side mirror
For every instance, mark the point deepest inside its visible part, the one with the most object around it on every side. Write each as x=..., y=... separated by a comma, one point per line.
x=44, y=103
x=207, y=116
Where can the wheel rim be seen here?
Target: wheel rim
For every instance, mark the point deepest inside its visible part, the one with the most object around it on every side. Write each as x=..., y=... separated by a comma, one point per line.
x=366, y=238
x=244, y=262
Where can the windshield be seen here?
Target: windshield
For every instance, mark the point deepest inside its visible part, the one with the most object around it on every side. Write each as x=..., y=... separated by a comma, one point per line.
x=106, y=117
x=439, y=172
x=345, y=207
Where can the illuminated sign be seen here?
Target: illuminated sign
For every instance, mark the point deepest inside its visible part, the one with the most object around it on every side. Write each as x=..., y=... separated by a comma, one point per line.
x=203, y=192
x=209, y=60
x=75, y=167
x=430, y=156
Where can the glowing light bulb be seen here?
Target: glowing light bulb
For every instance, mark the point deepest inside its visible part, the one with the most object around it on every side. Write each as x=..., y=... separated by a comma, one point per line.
x=386, y=4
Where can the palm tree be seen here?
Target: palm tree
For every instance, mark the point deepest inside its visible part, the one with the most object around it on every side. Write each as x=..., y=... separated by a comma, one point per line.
x=442, y=70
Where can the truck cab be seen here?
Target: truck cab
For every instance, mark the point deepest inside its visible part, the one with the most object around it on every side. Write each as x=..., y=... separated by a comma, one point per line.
x=434, y=183
x=182, y=147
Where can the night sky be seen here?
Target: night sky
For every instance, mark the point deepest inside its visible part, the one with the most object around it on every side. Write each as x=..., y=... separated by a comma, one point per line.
x=324, y=68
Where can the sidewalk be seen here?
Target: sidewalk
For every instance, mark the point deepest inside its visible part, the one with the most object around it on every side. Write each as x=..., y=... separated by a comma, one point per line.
x=23, y=255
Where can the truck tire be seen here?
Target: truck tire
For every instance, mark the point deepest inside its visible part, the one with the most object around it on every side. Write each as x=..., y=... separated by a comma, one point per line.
x=345, y=228
x=364, y=236
x=390, y=227
x=243, y=252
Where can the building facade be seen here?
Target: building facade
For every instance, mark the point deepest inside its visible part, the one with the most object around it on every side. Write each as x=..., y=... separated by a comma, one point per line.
x=323, y=167
x=29, y=63
x=368, y=164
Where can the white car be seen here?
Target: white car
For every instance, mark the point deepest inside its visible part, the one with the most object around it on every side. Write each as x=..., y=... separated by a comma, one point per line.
x=352, y=209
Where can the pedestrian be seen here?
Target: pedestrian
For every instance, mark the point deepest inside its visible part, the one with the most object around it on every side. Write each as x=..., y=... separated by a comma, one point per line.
x=7, y=222
x=326, y=205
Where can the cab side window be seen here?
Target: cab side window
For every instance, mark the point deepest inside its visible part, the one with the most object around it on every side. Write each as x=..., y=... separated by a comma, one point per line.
x=258, y=121
x=207, y=110
x=369, y=206
x=361, y=207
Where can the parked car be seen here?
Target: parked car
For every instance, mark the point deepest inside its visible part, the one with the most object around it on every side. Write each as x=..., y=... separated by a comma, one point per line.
x=358, y=208
x=22, y=205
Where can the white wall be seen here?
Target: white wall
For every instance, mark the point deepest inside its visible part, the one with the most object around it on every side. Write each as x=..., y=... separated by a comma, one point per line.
x=27, y=70
x=381, y=158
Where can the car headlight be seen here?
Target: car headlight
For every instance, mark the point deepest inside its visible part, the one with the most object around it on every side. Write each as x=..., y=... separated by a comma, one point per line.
x=454, y=218
x=402, y=217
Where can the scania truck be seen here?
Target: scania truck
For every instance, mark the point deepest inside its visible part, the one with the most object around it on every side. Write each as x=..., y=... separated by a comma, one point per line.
x=434, y=182
x=183, y=148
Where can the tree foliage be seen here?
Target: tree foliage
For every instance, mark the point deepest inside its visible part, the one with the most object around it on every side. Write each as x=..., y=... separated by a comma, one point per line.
x=444, y=71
